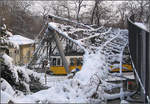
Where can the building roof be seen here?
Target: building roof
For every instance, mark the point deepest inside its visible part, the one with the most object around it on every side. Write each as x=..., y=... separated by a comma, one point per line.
x=20, y=40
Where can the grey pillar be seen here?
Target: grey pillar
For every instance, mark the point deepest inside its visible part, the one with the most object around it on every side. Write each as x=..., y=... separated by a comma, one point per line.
x=60, y=49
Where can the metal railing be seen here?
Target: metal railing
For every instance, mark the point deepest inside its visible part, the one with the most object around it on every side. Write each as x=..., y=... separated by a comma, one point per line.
x=139, y=47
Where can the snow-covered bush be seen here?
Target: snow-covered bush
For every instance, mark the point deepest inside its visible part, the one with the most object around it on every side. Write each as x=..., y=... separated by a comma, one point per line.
x=4, y=34
x=15, y=80
x=16, y=73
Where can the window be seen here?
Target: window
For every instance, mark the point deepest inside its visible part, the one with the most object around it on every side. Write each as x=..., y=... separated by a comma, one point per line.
x=71, y=61
x=79, y=61
x=28, y=55
x=58, y=61
x=54, y=62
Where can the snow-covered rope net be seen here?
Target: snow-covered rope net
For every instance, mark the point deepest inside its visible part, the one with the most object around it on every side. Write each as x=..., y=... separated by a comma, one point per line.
x=102, y=47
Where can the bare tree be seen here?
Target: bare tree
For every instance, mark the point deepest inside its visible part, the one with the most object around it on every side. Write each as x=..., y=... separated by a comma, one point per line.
x=78, y=5
x=66, y=7
x=100, y=12
x=57, y=9
x=95, y=9
x=122, y=10
x=142, y=6
x=19, y=18
x=46, y=7
x=148, y=17
x=138, y=7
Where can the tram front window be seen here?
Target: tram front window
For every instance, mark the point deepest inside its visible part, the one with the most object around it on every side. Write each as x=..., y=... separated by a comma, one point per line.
x=71, y=61
x=58, y=62
x=54, y=61
x=79, y=61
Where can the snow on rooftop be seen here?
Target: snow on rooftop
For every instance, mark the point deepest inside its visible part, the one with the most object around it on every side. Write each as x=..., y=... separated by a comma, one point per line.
x=20, y=40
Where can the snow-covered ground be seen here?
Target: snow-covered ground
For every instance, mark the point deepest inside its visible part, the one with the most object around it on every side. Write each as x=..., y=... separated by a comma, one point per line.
x=69, y=94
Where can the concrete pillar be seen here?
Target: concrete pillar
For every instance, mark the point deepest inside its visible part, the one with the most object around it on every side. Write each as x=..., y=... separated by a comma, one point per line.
x=59, y=46
x=61, y=51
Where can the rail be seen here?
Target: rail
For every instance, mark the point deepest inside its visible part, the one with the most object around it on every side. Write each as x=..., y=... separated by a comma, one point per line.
x=139, y=47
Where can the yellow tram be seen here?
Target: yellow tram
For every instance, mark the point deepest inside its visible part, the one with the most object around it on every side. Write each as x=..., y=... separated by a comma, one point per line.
x=74, y=62
x=57, y=65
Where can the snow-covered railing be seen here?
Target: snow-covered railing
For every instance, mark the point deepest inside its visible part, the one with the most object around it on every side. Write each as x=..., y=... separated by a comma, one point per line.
x=52, y=26
x=139, y=46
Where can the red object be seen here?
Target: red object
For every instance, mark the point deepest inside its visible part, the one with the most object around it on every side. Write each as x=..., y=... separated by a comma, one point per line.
x=129, y=82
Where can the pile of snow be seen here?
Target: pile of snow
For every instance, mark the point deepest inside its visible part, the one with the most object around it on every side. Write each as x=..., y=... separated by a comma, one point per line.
x=6, y=87
x=124, y=102
x=5, y=97
x=93, y=63
x=69, y=91
x=20, y=40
